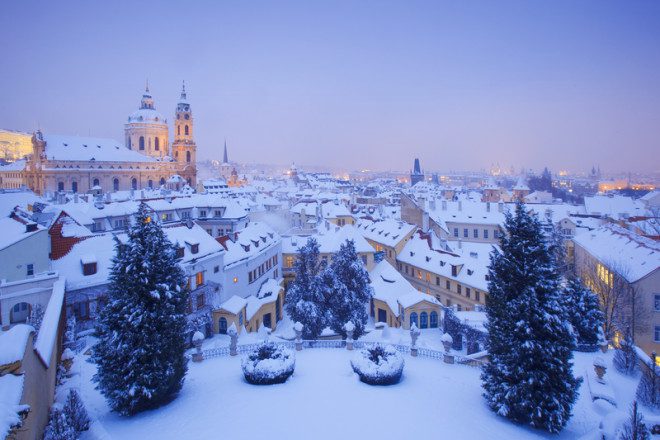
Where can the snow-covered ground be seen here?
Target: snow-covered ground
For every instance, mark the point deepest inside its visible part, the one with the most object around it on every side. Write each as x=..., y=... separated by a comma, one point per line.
x=324, y=399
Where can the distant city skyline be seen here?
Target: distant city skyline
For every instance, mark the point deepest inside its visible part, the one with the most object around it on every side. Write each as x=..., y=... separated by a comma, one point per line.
x=362, y=85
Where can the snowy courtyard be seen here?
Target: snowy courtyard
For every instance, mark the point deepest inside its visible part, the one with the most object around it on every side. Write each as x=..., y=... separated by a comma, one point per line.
x=325, y=399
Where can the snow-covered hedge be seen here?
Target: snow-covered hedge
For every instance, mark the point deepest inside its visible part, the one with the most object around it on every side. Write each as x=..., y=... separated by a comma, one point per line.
x=268, y=364
x=378, y=365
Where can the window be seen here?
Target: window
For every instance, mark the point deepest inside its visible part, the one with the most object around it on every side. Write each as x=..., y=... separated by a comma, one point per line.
x=202, y=213
x=134, y=183
x=496, y=233
x=150, y=183
x=475, y=233
x=456, y=232
x=178, y=130
x=194, y=248
x=465, y=233
x=115, y=184
x=186, y=130
x=199, y=279
x=467, y=292
x=187, y=156
x=423, y=320
x=162, y=181
x=216, y=269
x=288, y=261
x=235, y=280
x=434, y=320
x=240, y=318
x=180, y=252
x=95, y=182
x=454, y=271
x=141, y=142
x=656, y=301
x=437, y=281
x=60, y=186
x=74, y=186
x=364, y=259
x=419, y=274
x=157, y=144
x=413, y=319
x=81, y=310
x=486, y=234
x=447, y=285
x=200, y=301
x=217, y=213
x=89, y=269
x=477, y=295
x=459, y=288
x=30, y=269
x=656, y=333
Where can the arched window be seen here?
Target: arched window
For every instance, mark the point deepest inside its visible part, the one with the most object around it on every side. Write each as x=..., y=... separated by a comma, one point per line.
x=19, y=313
x=151, y=183
x=423, y=320
x=222, y=326
x=187, y=156
x=74, y=186
x=134, y=183
x=157, y=144
x=178, y=130
x=413, y=319
x=95, y=182
x=60, y=186
x=186, y=130
x=115, y=184
x=129, y=142
x=141, y=142
x=162, y=181
x=434, y=319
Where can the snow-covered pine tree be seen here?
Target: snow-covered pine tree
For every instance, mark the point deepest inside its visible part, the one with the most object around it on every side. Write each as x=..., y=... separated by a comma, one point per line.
x=349, y=295
x=625, y=359
x=75, y=411
x=583, y=311
x=635, y=428
x=529, y=378
x=58, y=427
x=304, y=299
x=141, y=330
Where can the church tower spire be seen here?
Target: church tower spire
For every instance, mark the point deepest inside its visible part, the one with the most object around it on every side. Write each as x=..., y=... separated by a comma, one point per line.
x=184, y=148
x=225, y=158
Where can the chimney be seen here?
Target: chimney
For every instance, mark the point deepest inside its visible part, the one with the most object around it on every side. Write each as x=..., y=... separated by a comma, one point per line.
x=460, y=244
x=460, y=205
x=425, y=221
x=75, y=197
x=444, y=205
x=432, y=204
x=500, y=206
x=487, y=206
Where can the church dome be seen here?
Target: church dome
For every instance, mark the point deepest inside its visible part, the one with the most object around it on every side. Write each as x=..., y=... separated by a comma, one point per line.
x=148, y=115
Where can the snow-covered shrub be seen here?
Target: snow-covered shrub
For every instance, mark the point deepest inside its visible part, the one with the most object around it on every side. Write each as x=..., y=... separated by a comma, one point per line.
x=378, y=365
x=75, y=412
x=59, y=428
x=36, y=316
x=625, y=359
x=268, y=364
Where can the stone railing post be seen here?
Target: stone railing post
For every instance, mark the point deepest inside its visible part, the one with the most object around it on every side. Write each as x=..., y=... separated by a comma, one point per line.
x=600, y=368
x=350, y=328
x=197, y=339
x=414, y=334
x=447, y=340
x=298, y=328
x=233, y=343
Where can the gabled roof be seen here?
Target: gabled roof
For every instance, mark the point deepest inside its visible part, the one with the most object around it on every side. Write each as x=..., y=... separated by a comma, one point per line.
x=76, y=148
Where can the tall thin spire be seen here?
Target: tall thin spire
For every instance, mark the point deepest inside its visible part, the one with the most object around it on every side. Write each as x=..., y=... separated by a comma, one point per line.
x=146, y=88
x=225, y=159
x=183, y=90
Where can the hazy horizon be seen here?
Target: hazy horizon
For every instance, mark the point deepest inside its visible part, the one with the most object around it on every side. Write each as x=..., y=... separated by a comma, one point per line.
x=364, y=85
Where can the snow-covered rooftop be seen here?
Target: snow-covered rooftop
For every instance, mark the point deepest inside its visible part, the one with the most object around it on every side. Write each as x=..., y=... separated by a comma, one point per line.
x=329, y=239
x=76, y=148
x=388, y=232
x=253, y=240
x=234, y=304
x=625, y=252
x=13, y=343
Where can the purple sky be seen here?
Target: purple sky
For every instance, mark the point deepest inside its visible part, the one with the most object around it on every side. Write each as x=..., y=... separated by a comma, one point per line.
x=364, y=84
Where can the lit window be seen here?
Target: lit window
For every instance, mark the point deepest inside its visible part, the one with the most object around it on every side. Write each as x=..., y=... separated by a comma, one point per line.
x=199, y=278
x=235, y=279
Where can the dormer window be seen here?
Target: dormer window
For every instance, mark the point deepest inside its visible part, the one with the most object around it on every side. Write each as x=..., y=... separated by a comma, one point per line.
x=89, y=269
x=246, y=247
x=454, y=270
x=179, y=252
x=194, y=248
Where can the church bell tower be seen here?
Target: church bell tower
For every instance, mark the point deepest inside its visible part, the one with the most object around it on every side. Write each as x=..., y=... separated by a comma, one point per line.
x=184, y=149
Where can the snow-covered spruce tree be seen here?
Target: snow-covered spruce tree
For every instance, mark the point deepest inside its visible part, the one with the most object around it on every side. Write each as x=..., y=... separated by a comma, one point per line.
x=58, y=427
x=141, y=330
x=635, y=428
x=304, y=299
x=583, y=311
x=529, y=378
x=625, y=359
x=75, y=412
x=348, y=297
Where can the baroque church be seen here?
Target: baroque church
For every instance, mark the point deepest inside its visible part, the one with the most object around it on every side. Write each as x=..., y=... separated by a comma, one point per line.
x=146, y=160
